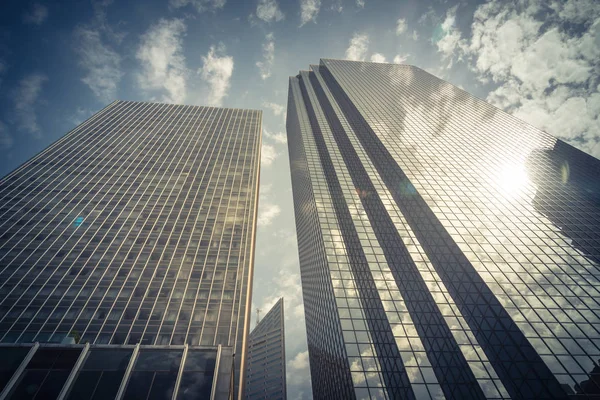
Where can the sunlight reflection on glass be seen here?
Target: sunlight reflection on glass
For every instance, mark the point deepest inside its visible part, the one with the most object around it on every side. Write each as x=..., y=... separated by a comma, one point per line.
x=565, y=172
x=514, y=180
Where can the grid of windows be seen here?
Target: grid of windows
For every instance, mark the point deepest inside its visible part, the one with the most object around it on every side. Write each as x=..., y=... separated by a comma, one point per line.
x=481, y=235
x=407, y=334
x=135, y=227
x=265, y=368
x=107, y=372
x=318, y=242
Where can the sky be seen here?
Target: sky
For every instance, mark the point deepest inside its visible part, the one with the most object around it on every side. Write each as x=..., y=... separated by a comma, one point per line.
x=62, y=61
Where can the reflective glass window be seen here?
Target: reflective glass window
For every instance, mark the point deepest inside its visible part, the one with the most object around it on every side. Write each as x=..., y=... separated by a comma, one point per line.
x=101, y=374
x=46, y=374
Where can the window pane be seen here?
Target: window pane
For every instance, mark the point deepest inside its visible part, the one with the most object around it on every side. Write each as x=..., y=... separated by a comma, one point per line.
x=200, y=360
x=139, y=385
x=195, y=385
x=163, y=385
x=158, y=360
x=11, y=359
x=108, y=359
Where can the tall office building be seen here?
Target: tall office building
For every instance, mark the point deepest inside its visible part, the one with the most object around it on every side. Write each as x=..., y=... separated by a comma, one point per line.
x=133, y=233
x=265, y=370
x=447, y=249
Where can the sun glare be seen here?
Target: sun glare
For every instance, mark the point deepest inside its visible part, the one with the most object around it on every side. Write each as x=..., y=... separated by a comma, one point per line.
x=514, y=180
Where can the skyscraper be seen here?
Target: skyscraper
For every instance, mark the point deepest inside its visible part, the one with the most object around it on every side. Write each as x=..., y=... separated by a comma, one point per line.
x=446, y=248
x=137, y=227
x=265, y=370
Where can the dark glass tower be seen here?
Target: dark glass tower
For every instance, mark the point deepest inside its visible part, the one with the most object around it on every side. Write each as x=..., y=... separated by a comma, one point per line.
x=447, y=249
x=137, y=227
x=265, y=369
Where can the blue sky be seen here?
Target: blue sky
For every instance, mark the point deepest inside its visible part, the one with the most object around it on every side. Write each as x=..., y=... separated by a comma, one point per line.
x=60, y=62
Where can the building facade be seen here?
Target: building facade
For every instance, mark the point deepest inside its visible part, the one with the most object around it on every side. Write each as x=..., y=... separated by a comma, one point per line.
x=135, y=228
x=447, y=249
x=265, y=368
x=51, y=371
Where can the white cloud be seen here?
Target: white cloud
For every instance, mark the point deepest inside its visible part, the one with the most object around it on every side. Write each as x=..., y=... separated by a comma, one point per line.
x=428, y=17
x=299, y=362
x=359, y=44
x=265, y=189
x=6, y=141
x=267, y=214
x=36, y=15
x=415, y=35
x=360, y=3
x=94, y=47
x=450, y=41
x=511, y=34
x=401, y=26
x=309, y=9
x=545, y=75
x=576, y=11
x=378, y=58
x=199, y=5
x=101, y=63
x=80, y=115
x=277, y=109
x=269, y=11
x=297, y=368
x=26, y=98
x=266, y=64
x=163, y=63
x=337, y=6
x=401, y=58
x=100, y=23
x=277, y=137
x=268, y=154
x=216, y=71
x=286, y=283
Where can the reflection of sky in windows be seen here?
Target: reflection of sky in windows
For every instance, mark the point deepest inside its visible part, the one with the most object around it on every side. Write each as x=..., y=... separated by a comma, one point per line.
x=428, y=274
x=518, y=204
x=148, y=205
x=99, y=371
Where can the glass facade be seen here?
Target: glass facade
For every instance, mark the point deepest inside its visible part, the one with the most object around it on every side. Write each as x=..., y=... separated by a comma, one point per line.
x=137, y=226
x=107, y=372
x=447, y=249
x=265, y=368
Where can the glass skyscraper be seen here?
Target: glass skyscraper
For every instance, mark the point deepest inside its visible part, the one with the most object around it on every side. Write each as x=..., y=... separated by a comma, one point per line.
x=265, y=370
x=447, y=249
x=134, y=233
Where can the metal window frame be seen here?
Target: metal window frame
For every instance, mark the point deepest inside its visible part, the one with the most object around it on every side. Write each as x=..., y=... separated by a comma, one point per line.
x=13, y=381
